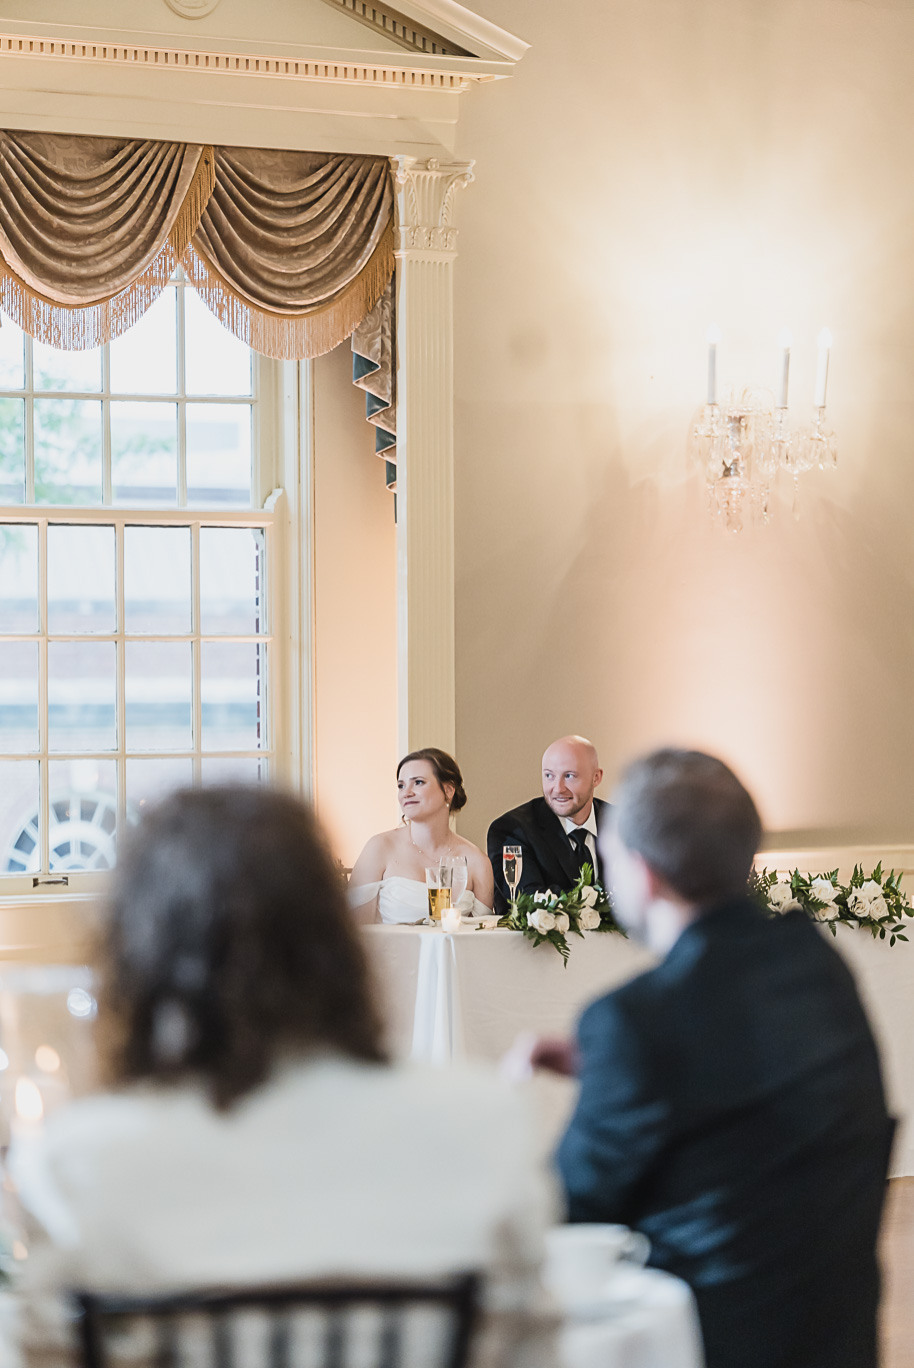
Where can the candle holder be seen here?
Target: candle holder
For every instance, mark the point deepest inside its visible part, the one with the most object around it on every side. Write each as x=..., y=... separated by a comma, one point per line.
x=742, y=445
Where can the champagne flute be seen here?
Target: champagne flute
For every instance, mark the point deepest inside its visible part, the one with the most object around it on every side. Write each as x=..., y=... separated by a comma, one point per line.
x=512, y=863
x=459, y=877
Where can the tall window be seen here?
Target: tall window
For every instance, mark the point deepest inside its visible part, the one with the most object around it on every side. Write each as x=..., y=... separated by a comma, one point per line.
x=134, y=614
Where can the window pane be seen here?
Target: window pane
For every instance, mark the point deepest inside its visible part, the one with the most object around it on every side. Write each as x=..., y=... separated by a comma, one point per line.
x=215, y=362
x=68, y=451
x=219, y=454
x=80, y=578
x=232, y=687
x=18, y=577
x=143, y=360
x=144, y=453
x=237, y=770
x=81, y=696
x=83, y=814
x=231, y=581
x=148, y=781
x=18, y=695
x=66, y=370
x=158, y=695
x=12, y=451
x=157, y=579
x=19, y=844
x=12, y=363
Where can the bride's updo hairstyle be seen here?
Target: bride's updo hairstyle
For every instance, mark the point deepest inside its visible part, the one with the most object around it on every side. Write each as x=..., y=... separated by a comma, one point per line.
x=228, y=948
x=445, y=769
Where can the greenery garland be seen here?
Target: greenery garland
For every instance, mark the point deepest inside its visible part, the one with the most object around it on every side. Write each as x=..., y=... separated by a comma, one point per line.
x=873, y=902
x=550, y=917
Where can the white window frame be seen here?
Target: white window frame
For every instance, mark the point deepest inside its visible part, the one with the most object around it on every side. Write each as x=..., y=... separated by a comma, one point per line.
x=282, y=505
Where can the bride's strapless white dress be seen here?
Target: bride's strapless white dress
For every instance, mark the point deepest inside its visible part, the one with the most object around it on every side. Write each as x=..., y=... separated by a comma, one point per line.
x=404, y=902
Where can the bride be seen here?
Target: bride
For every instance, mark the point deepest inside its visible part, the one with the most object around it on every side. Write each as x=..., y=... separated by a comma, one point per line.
x=388, y=881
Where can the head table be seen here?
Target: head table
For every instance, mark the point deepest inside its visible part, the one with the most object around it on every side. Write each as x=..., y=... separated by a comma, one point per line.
x=469, y=993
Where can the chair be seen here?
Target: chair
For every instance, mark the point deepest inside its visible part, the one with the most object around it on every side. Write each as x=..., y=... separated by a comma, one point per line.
x=456, y=1300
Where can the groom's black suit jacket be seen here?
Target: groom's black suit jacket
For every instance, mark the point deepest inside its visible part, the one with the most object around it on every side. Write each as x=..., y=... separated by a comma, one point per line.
x=731, y=1107
x=549, y=857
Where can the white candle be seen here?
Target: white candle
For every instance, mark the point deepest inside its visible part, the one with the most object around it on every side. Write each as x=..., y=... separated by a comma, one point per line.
x=786, y=342
x=824, y=340
x=451, y=918
x=713, y=339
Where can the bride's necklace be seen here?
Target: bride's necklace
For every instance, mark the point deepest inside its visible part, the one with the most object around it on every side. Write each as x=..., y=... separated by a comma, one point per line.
x=429, y=855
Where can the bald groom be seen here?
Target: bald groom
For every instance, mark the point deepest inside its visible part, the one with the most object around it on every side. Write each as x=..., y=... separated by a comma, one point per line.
x=558, y=832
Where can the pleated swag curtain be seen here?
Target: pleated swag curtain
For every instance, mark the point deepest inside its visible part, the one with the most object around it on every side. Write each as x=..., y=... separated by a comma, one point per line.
x=290, y=250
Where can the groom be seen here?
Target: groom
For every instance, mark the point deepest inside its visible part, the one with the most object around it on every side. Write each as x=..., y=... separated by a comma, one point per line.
x=558, y=832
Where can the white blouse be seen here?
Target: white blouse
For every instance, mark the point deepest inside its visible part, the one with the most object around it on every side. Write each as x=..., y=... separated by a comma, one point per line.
x=333, y=1167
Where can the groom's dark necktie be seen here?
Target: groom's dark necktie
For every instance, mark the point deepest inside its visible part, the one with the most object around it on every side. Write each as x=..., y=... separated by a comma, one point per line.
x=578, y=839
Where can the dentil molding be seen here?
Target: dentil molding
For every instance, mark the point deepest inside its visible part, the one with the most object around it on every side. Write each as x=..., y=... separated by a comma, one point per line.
x=425, y=203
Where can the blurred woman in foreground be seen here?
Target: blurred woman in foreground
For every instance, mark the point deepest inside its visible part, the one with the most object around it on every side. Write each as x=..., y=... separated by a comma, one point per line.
x=255, y=1129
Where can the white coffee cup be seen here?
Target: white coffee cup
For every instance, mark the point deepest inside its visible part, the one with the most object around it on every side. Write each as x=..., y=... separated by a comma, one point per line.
x=581, y=1260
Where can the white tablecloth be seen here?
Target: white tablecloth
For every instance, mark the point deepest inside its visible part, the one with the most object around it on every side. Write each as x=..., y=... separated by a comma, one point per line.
x=653, y=1323
x=470, y=993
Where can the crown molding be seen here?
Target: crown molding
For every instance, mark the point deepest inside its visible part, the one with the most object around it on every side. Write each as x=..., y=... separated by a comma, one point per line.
x=360, y=68
x=415, y=68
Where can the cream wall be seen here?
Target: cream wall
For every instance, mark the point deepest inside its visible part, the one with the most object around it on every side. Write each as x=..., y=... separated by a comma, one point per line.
x=653, y=166
x=355, y=623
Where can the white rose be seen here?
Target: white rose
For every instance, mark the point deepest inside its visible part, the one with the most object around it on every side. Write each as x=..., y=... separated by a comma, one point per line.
x=541, y=920
x=589, y=919
x=871, y=890
x=823, y=890
x=589, y=895
x=562, y=922
x=857, y=905
x=539, y=897
x=781, y=898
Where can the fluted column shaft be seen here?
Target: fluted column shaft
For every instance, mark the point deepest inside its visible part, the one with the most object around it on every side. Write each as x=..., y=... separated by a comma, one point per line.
x=426, y=249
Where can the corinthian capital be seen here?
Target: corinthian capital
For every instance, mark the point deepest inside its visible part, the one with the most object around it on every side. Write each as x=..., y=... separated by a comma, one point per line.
x=425, y=203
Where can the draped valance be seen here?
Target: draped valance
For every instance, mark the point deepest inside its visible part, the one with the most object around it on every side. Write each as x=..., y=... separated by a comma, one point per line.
x=290, y=250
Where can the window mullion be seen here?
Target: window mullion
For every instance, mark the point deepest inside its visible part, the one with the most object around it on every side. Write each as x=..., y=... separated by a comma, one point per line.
x=197, y=652
x=182, y=401
x=120, y=665
x=107, y=481
x=29, y=423
x=44, y=773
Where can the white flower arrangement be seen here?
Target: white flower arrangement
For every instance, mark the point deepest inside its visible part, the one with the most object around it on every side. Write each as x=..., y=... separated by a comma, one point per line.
x=875, y=903
x=547, y=916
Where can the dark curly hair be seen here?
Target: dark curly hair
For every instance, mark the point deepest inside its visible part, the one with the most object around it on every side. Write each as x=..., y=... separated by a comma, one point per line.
x=228, y=945
x=445, y=769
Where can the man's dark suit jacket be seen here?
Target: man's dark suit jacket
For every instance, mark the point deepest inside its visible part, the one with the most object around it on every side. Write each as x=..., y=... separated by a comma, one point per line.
x=549, y=857
x=731, y=1107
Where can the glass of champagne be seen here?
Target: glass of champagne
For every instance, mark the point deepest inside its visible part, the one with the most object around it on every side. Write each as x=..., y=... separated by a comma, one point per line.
x=438, y=884
x=512, y=863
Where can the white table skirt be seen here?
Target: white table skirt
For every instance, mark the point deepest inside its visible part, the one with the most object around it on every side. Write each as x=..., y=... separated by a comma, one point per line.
x=654, y=1324
x=469, y=994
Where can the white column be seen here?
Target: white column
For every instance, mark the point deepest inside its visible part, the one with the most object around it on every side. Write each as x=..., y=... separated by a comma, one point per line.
x=426, y=249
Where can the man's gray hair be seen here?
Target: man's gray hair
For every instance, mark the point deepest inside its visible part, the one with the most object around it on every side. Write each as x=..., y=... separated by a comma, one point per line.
x=692, y=821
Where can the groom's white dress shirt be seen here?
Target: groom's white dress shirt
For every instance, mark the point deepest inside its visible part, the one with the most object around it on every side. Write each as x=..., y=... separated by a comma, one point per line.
x=590, y=826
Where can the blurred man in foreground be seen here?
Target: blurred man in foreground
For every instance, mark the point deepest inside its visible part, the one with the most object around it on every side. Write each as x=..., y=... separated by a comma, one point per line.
x=731, y=1104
